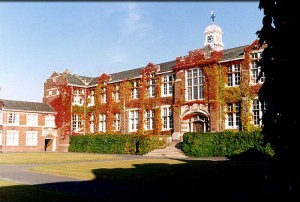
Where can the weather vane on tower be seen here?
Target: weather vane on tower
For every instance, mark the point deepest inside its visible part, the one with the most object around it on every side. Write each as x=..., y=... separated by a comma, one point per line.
x=212, y=16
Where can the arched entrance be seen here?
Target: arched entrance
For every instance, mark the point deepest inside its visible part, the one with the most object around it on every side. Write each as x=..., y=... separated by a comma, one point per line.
x=196, y=122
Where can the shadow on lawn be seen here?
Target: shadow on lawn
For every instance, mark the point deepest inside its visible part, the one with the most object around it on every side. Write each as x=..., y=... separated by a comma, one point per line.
x=191, y=180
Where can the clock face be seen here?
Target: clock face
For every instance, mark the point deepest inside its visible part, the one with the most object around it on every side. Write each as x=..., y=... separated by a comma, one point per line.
x=210, y=38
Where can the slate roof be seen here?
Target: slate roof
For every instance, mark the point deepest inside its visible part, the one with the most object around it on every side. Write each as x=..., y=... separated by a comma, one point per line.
x=233, y=53
x=16, y=105
x=73, y=79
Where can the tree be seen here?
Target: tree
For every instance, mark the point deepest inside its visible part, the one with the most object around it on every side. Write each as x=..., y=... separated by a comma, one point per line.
x=279, y=91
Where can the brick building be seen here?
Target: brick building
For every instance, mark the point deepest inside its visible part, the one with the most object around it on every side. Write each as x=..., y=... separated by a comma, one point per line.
x=27, y=126
x=209, y=89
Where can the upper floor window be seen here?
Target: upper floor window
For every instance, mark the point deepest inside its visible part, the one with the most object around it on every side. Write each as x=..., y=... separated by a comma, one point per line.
x=133, y=120
x=91, y=98
x=103, y=95
x=233, y=115
x=78, y=97
x=1, y=122
x=151, y=86
x=167, y=117
x=77, y=123
x=167, y=85
x=13, y=118
x=102, y=122
x=116, y=94
x=135, y=90
x=50, y=120
x=259, y=109
x=149, y=115
x=234, y=75
x=32, y=119
x=255, y=73
x=117, y=122
x=195, y=86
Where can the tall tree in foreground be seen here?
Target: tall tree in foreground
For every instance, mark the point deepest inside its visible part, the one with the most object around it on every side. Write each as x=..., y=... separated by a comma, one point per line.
x=281, y=121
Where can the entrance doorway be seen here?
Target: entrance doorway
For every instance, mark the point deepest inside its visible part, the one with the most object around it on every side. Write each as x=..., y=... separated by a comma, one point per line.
x=48, y=145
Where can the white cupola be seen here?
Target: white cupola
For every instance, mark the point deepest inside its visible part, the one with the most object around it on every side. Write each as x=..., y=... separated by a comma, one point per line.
x=213, y=35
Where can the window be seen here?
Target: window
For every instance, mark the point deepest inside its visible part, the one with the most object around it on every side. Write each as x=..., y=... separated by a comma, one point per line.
x=77, y=97
x=31, y=119
x=92, y=124
x=91, y=98
x=102, y=122
x=195, y=84
x=167, y=118
x=13, y=118
x=12, y=138
x=76, y=123
x=135, y=90
x=167, y=85
x=49, y=121
x=31, y=138
x=103, y=95
x=1, y=114
x=149, y=115
x=116, y=94
x=117, y=122
x=0, y=137
x=258, y=111
x=151, y=86
x=255, y=71
x=234, y=75
x=233, y=116
x=133, y=120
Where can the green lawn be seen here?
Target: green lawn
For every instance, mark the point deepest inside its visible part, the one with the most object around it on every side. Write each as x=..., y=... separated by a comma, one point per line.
x=184, y=176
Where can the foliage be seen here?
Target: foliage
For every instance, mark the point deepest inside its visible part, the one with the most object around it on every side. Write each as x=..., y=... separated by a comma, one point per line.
x=115, y=143
x=224, y=144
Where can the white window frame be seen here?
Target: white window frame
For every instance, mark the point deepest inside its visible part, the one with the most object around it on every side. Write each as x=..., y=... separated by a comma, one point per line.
x=117, y=122
x=102, y=122
x=31, y=138
x=92, y=123
x=149, y=118
x=1, y=137
x=12, y=138
x=135, y=90
x=167, y=118
x=50, y=120
x=77, y=125
x=194, y=83
x=258, y=109
x=13, y=118
x=234, y=75
x=31, y=119
x=77, y=97
x=150, y=89
x=1, y=118
x=233, y=116
x=133, y=120
x=91, y=98
x=167, y=85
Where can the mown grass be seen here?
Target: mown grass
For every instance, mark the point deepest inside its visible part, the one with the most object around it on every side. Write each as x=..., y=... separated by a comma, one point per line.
x=55, y=157
x=232, y=178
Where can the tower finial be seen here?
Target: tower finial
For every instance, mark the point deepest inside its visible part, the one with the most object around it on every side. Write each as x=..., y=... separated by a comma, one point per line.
x=212, y=16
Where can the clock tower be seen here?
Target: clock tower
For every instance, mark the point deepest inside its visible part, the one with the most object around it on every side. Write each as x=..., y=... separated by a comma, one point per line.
x=213, y=35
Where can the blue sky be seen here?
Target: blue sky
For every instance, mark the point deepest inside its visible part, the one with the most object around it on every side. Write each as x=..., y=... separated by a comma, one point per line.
x=91, y=38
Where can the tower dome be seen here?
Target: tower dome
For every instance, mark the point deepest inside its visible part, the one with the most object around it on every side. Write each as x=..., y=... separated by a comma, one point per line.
x=213, y=28
x=213, y=35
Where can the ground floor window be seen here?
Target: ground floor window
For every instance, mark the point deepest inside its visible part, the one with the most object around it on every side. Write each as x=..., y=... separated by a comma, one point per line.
x=31, y=138
x=12, y=138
